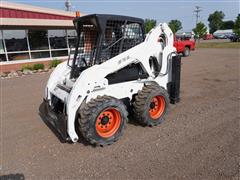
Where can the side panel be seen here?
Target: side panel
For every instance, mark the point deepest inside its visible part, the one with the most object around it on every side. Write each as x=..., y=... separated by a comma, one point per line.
x=119, y=90
x=57, y=76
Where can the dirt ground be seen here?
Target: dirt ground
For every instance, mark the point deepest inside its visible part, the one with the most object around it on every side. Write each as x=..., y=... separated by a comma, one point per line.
x=198, y=140
x=215, y=41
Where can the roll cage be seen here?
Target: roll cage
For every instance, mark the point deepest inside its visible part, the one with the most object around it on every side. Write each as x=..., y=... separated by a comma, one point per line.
x=101, y=37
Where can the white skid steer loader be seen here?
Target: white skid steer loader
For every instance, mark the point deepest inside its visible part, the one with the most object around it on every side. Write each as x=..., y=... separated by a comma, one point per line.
x=115, y=70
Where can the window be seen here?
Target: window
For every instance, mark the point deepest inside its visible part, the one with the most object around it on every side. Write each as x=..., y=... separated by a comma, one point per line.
x=38, y=39
x=18, y=56
x=72, y=38
x=2, y=51
x=112, y=40
x=1, y=43
x=1, y=47
x=41, y=54
x=58, y=39
x=87, y=45
x=59, y=53
x=15, y=40
x=120, y=36
x=40, y=43
x=133, y=31
x=133, y=36
x=3, y=57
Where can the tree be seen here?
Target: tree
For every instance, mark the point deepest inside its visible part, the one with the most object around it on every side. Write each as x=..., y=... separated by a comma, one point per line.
x=227, y=25
x=200, y=30
x=236, y=28
x=149, y=24
x=215, y=20
x=175, y=25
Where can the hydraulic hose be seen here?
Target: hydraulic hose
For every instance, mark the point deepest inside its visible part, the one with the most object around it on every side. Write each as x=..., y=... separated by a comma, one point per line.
x=169, y=57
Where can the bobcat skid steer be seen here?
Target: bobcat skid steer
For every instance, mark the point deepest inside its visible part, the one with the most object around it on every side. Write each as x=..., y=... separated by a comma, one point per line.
x=115, y=70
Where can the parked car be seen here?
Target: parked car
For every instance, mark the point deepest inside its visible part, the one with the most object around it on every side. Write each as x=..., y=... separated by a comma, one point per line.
x=234, y=38
x=223, y=34
x=208, y=37
x=184, y=46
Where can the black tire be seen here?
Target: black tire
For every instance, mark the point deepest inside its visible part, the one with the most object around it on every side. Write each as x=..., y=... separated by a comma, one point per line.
x=186, y=52
x=90, y=120
x=143, y=105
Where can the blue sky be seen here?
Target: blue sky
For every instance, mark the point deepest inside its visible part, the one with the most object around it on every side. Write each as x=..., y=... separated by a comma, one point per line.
x=161, y=10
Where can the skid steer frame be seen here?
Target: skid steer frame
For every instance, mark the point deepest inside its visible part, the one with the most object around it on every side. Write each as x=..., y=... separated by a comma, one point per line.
x=100, y=67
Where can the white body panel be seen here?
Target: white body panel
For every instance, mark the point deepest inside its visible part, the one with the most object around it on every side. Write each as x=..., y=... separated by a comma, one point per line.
x=92, y=81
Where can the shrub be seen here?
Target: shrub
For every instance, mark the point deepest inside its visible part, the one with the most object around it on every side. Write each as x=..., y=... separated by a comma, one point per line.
x=54, y=63
x=38, y=66
x=26, y=67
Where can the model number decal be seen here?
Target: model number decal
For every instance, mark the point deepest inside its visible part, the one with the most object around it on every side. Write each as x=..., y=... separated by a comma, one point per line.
x=123, y=59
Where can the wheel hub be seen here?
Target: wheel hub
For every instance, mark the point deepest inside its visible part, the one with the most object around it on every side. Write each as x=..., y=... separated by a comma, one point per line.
x=104, y=120
x=157, y=107
x=108, y=122
x=152, y=105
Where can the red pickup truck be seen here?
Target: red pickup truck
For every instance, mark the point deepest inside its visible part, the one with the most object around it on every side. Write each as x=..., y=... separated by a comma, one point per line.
x=184, y=45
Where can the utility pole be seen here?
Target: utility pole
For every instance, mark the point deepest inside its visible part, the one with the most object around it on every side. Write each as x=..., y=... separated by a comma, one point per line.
x=68, y=5
x=197, y=11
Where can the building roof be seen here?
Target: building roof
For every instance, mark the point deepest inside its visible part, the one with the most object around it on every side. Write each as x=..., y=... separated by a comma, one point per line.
x=26, y=7
x=16, y=15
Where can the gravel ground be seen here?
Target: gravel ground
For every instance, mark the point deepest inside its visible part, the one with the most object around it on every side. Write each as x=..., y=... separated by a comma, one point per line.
x=199, y=139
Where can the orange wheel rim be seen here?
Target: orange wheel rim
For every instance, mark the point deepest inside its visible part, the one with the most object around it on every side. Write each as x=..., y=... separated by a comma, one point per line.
x=108, y=122
x=156, y=107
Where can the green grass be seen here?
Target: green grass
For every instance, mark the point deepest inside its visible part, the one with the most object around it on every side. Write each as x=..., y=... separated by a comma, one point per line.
x=218, y=45
x=38, y=66
x=26, y=67
x=54, y=63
